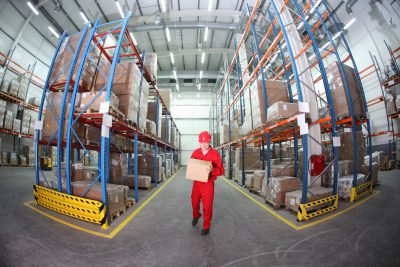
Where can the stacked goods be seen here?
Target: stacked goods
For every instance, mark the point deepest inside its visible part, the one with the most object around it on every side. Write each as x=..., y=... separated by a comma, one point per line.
x=79, y=172
x=150, y=62
x=34, y=101
x=377, y=157
x=22, y=87
x=61, y=66
x=151, y=127
x=345, y=184
x=29, y=152
x=345, y=167
x=277, y=188
x=90, y=103
x=118, y=166
x=340, y=100
x=224, y=134
x=2, y=114
x=237, y=175
x=215, y=140
x=25, y=118
x=32, y=126
x=281, y=110
x=144, y=181
x=374, y=172
x=5, y=158
x=390, y=105
x=23, y=161
x=275, y=91
x=249, y=180
x=116, y=194
x=165, y=130
x=8, y=120
x=258, y=179
x=146, y=165
x=16, y=125
x=153, y=116
x=13, y=87
x=293, y=199
x=251, y=158
x=51, y=117
x=14, y=159
x=166, y=95
x=92, y=135
x=347, y=146
x=168, y=167
x=282, y=170
x=6, y=85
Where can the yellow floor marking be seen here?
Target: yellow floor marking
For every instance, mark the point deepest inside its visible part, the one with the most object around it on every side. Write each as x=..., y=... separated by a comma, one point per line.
x=118, y=228
x=289, y=223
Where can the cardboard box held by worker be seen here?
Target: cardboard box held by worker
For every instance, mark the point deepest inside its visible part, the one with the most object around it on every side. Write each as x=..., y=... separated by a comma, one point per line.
x=198, y=170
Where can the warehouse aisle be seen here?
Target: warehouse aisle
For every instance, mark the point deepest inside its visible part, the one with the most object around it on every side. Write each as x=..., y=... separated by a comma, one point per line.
x=242, y=234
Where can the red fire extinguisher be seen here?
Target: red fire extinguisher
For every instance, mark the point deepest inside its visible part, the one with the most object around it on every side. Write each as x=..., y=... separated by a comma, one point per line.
x=317, y=164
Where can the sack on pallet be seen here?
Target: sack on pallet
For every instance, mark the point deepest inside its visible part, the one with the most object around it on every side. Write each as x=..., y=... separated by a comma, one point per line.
x=277, y=188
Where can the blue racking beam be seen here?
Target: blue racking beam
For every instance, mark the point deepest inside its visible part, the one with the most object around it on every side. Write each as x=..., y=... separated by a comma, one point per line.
x=165, y=146
x=359, y=83
x=326, y=86
x=155, y=141
x=64, y=104
x=300, y=96
x=229, y=127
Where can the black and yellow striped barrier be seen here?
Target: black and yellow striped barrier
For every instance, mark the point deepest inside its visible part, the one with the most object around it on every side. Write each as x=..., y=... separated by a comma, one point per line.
x=80, y=208
x=303, y=214
x=360, y=191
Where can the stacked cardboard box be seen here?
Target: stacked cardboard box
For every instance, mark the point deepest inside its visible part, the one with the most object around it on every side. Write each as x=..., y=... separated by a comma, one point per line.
x=25, y=118
x=282, y=169
x=79, y=172
x=29, y=152
x=293, y=199
x=88, y=103
x=2, y=115
x=224, y=134
x=277, y=188
x=374, y=172
x=34, y=101
x=258, y=180
x=118, y=166
x=22, y=87
x=165, y=130
x=13, y=87
x=346, y=149
x=16, y=125
x=150, y=62
x=152, y=115
x=116, y=194
x=282, y=110
x=166, y=95
x=345, y=184
x=5, y=158
x=146, y=165
x=92, y=135
x=8, y=120
x=60, y=73
x=251, y=158
x=23, y=161
x=144, y=181
x=337, y=85
x=345, y=167
x=14, y=159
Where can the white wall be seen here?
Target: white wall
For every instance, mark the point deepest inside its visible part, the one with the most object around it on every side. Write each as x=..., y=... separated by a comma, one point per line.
x=191, y=115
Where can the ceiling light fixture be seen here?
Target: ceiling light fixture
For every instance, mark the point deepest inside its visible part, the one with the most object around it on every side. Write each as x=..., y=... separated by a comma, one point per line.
x=163, y=8
x=201, y=74
x=199, y=87
x=206, y=34
x=34, y=10
x=119, y=9
x=349, y=23
x=85, y=20
x=315, y=6
x=209, y=5
x=54, y=32
x=172, y=57
x=177, y=87
x=133, y=38
x=203, y=55
x=167, y=33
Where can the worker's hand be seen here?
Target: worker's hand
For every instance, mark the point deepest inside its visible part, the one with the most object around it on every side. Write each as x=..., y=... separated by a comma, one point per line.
x=210, y=170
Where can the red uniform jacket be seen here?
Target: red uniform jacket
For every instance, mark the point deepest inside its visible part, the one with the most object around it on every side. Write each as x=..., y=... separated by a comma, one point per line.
x=213, y=156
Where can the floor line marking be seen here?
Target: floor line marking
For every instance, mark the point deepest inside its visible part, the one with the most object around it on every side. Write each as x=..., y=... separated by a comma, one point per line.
x=119, y=227
x=289, y=223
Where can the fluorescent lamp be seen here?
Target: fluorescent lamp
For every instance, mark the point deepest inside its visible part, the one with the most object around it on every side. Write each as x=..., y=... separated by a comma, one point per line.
x=300, y=25
x=34, y=10
x=179, y=95
x=206, y=34
x=175, y=76
x=177, y=87
x=201, y=74
x=133, y=38
x=325, y=46
x=274, y=58
x=337, y=35
x=203, y=55
x=315, y=6
x=349, y=23
x=85, y=20
x=163, y=8
x=209, y=5
x=54, y=32
x=172, y=57
x=167, y=33
x=311, y=57
x=198, y=95
x=199, y=87
x=119, y=9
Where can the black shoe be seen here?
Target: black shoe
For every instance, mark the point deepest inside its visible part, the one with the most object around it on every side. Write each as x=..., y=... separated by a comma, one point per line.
x=205, y=231
x=195, y=220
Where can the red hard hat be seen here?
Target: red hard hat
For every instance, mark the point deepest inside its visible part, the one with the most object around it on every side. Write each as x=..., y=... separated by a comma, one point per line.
x=204, y=137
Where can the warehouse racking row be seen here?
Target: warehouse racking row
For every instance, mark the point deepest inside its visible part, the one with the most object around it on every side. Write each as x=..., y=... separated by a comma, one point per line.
x=100, y=51
x=280, y=40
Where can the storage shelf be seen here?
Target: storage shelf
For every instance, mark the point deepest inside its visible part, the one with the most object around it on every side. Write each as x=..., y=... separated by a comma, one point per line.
x=7, y=97
x=10, y=132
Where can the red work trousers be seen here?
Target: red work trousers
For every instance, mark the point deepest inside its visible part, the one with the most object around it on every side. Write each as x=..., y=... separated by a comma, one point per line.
x=205, y=192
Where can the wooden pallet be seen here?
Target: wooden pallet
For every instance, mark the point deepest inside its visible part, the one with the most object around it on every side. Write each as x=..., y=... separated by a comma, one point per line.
x=251, y=190
x=129, y=203
x=146, y=188
x=274, y=205
x=113, y=111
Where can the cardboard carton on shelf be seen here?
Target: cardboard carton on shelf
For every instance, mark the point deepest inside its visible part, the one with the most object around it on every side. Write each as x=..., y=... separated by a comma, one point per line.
x=277, y=188
x=166, y=95
x=281, y=110
x=293, y=199
x=198, y=170
x=16, y=125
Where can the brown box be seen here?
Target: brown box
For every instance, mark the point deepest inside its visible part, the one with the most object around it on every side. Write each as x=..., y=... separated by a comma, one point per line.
x=293, y=199
x=87, y=97
x=198, y=170
x=150, y=127
x=92, y=135
x=166, y=96
x=278, y=187
x=251, y=158
x=346, y=148
x=150, y=62
x=282, y=170
x=144, y=181
x=258, y=179
x=282, y=110
x=339, y=96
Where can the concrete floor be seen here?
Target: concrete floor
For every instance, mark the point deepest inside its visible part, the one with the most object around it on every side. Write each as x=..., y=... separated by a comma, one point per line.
x=242, y=233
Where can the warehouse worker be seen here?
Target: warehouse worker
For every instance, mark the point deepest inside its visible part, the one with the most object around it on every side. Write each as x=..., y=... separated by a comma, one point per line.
x=205, y=190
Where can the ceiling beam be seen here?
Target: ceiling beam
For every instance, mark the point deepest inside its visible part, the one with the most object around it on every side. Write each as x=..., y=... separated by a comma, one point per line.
x=185, y=52
x=187, y=25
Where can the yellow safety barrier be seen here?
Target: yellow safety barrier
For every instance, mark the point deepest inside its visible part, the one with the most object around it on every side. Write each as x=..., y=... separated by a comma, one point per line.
x=73, y=206
x=360, y=191
x=303, y=214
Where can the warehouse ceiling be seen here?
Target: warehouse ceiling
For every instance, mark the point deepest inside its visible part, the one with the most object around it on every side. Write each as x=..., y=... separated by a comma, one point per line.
x=187, y=21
